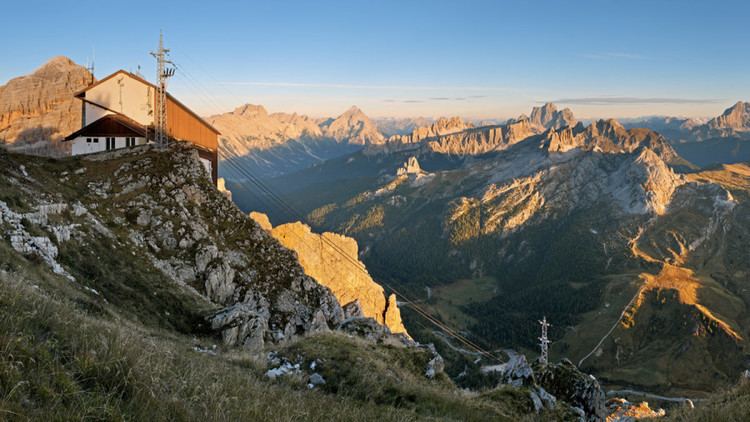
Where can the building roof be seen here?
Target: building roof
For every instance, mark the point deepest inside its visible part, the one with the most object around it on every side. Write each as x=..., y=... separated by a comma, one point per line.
x=81, y=94
x=116, y=125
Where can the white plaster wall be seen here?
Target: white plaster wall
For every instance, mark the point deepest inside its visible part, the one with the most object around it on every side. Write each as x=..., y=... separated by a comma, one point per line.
x=125, y=95
x=94, y=113
x=80, y=146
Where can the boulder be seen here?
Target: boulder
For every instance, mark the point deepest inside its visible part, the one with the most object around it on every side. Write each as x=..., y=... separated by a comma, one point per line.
x=566, y=382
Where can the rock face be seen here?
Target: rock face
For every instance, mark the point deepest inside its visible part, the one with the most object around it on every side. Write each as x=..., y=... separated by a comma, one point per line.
x=333, y=261
x=411, y=166
x=443, y=126
x=353, y=127
x=482, y=140
x=221, y=185
x=180, y=229
x=564, y=381
x=548, y=117
x=40, y=106
x=735, y=118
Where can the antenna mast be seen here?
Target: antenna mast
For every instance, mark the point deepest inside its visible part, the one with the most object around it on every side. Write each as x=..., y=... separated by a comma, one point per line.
x=162, y=74
x=90, y=65
x=544, y=341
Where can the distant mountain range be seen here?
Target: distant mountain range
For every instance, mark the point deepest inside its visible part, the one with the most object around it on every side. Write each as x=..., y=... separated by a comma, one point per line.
x=39, y=108
x=639, y=266
x=268, y=145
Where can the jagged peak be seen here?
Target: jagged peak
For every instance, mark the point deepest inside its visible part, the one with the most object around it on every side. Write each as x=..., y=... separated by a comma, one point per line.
x=250, y=110
x=548, y=115
x=353, y=111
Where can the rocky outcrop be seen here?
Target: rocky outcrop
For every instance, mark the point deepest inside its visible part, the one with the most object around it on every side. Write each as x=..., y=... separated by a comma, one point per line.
x=482, y=140
x=411, y=166
x=734, y=121
x=333, y=261
x=736, y=117
x=564, y=381
x=221, y=185
x=549, y=117
x=443, y=126
x=194, y=236
x=41, y=106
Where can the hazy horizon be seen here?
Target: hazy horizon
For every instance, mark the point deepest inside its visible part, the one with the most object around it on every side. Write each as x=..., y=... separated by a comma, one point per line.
x=482, y=60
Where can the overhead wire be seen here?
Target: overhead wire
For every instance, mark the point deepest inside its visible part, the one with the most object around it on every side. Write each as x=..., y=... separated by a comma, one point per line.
x=265, y=191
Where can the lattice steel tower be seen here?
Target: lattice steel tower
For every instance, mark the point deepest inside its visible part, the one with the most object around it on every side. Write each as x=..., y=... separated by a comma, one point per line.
x=544, y=341
x=162, y=74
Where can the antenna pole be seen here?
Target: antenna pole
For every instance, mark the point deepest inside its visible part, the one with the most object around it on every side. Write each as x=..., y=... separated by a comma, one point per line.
x=162, y=74
x=544, y=342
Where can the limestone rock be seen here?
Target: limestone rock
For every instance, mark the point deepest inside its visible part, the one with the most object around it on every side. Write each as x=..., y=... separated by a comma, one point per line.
x=392, y=318
x=333, y=261
x=547, y=117
x=566, y=382
x=221, y=185
x=443, y=126
x=411, y=166
x=41, y=106
x=262, y=220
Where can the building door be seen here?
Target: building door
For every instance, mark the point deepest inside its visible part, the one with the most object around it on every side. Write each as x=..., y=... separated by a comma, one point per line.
x=110, y=143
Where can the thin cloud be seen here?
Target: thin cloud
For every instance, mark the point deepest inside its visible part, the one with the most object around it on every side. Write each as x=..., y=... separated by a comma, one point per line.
x=613, y=55
x=391, y=100
x=361, y=86
x=603, y=101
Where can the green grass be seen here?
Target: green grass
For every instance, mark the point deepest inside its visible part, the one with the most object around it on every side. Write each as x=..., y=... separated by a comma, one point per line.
x=730, y=406
x=62, y=362
x=58, y=363
x=448, y=300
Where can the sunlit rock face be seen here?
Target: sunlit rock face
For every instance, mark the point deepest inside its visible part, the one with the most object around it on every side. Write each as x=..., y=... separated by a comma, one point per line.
x=333, y=261
x=41, y=106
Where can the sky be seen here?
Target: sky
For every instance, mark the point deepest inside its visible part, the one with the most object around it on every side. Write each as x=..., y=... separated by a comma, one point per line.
x=476, y=59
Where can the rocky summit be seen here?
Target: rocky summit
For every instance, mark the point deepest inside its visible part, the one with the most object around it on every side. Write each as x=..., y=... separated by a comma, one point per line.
x=40, y=106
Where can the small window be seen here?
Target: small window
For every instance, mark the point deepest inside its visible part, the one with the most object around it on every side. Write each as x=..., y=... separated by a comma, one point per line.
x=96, y=140
x=88, y=140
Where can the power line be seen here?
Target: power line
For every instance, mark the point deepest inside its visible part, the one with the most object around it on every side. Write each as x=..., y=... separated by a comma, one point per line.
x=228, y=156
x=361, y=268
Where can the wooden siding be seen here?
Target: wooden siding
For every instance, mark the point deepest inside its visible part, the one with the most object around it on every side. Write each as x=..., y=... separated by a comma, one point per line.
x=182, y=125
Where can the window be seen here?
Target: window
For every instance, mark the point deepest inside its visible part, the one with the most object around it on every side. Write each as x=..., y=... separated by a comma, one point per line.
x=110, y=143
x=129, y=142
x=96, y=140
x=88, y=140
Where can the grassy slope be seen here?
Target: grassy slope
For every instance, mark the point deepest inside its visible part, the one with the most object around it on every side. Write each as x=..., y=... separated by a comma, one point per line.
x=127, y=354
x=730, y=406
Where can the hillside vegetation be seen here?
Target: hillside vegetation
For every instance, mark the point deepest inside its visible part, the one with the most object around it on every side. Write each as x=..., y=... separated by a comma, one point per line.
x=101, y=317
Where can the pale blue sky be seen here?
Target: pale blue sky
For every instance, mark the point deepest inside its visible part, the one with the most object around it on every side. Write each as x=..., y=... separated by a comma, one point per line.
x=408, y=58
